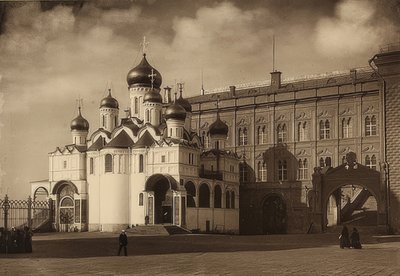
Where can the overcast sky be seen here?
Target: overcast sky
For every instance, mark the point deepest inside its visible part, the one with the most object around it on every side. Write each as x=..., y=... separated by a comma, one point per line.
x=51, y=54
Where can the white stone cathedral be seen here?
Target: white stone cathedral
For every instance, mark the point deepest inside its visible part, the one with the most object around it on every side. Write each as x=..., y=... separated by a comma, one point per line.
x=147, y=168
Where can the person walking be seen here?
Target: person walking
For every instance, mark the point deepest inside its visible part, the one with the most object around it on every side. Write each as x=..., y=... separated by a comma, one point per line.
x=344, y=238
x=123, y=242
x=355, y=239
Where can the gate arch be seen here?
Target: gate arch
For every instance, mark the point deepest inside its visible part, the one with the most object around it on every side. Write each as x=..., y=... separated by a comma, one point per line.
x=325, y=183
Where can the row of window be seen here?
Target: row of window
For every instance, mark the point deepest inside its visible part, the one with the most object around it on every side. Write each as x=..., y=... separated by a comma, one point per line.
x=303, y=131
x=109, y=164
x=302, y=170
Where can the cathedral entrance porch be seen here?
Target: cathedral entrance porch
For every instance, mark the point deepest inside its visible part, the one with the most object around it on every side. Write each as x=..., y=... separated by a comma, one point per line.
x=274, y=215
x=164, y=203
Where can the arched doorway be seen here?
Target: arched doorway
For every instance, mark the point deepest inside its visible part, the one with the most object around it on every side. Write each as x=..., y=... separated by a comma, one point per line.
x=66, y=205
x=351, y=204
x=162, y=187
x=274, y=215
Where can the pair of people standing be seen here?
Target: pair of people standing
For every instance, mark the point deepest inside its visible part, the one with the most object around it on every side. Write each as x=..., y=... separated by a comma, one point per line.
x=352, y=241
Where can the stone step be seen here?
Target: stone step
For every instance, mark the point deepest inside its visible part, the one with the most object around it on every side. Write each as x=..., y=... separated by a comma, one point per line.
x=175, y=230
x=148, y=230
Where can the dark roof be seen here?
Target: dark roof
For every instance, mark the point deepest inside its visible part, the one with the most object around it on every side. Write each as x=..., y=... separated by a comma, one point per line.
x=131, y=125
x=214, y=152
x=98, y=145
x=362, y=75
x=146, y=140
x=122, y=140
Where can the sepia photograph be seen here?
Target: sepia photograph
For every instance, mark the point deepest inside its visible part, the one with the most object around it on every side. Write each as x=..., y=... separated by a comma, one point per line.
x=200, y=137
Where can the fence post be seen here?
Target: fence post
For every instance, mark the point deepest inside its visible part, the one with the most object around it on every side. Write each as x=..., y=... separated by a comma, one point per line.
x=6, y=206
x=30, y=211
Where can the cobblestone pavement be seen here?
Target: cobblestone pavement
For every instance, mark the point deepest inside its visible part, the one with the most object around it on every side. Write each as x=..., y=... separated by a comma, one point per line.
x=94, y=254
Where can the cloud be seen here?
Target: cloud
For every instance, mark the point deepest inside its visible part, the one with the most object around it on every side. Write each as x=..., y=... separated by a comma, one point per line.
x=353, y=30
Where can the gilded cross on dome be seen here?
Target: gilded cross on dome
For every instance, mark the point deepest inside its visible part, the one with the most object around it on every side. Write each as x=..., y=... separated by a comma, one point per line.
x=152, y=75
x=144, y=44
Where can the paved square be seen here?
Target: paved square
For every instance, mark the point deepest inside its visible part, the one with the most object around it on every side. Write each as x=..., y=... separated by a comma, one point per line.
x=95, y=254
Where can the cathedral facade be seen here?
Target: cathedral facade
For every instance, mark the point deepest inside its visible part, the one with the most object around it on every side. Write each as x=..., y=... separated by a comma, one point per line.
x=147, y=168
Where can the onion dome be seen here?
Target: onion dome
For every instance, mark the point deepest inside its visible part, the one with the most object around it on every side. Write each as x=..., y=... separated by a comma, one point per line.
x=144, y=75
x=152, y=96
x=218, y=128
x=109, y=101
x=175, y=111
x=79, y=123
x=184, y=103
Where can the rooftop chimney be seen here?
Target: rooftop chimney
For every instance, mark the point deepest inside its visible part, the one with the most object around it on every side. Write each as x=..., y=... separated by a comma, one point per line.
x=276, y=80
x=233, y=90
x=167, y=94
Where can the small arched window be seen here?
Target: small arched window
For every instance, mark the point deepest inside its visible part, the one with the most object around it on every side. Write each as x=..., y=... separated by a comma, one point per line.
x=141, y=163
x=243, y=173
x=91, y=165
x=191, y=194
x=136, y=105
x=324, y=129
x=281, y=133
x=141, y=199
x=370, y=126
x=282, y=170
x=108, y=163
x=242, y=136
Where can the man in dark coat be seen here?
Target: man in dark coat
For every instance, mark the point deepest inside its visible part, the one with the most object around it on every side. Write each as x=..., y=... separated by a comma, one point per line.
x=355, y=239
x=123, y=242
x=344, y=238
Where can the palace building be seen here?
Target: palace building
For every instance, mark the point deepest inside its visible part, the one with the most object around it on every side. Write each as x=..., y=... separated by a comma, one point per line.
x=308, y=154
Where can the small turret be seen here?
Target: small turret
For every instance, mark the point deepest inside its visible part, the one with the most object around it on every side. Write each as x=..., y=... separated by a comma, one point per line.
x=175, y=116
x=109, y=110
x=218, y=131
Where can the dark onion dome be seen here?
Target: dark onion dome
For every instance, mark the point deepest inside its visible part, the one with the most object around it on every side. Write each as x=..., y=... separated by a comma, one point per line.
x=152, y=96
x=141, y=75
x=184, y=103
x=109, y=101
x=218, y=128
x=80, y=123
x=175, y=111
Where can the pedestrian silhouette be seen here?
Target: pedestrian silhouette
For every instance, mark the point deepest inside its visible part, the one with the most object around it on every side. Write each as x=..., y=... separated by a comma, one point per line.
x=123, y=242
x=344, y=238
x=355, y=239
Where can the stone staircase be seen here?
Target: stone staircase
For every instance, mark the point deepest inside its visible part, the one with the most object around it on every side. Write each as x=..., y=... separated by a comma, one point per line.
x=157, y=230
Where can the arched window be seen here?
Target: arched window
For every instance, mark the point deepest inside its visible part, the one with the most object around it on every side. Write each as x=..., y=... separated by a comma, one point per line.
x=302, y=131
x=233, y=199
x=141, y=199
x=282, y=170
x=136, y=106
x=108, y=163
x=103, y=121
x=262, y=135
x=243, y=173
x=147, y=115
x=324, y=130
x=217, y=197
x=141, y=163
x=347, y=129
x=227, y=200
x=282, y=133
x=204, y=196
x=191, y=194
x=328, y=161
x=303, y=169
x=321, y=162
x=262, y=171
x=370, y=162
x=242, y=136
x=91, y=165
x=370, y=126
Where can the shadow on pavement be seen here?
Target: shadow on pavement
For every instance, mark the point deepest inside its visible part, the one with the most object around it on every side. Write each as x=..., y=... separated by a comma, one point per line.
x=94, y=246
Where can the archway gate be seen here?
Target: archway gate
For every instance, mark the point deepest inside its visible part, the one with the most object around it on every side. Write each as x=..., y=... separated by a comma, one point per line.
x=328, y=180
